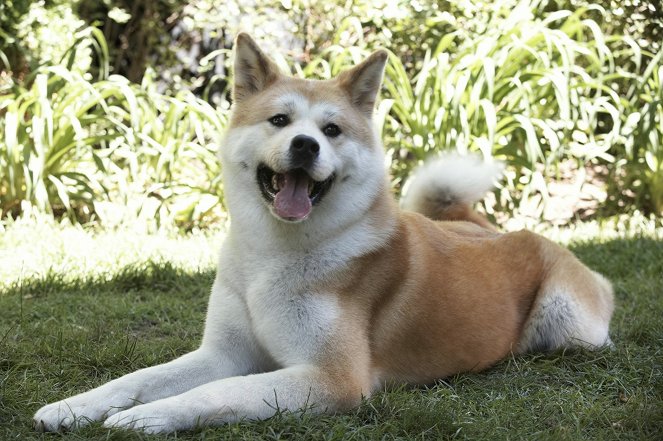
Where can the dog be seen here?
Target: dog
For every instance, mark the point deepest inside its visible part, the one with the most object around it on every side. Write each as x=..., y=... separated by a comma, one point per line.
x=326, y=290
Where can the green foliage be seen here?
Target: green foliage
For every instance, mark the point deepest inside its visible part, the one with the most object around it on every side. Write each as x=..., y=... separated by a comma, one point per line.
x=70, y=143
x=137, y=31
x=641, y=20
x=641, y=167
x=532, y=88
x=532, y=91
x=11, y=12
x=521, y=80
x=48, y=128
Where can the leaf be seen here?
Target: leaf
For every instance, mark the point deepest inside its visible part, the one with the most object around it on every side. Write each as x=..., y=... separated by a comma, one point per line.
x=61, y=191
x=533, y=146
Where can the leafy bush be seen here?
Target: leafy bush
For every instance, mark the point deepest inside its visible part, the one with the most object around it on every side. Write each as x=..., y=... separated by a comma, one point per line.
x=532, y=91
x=72, y=145
x=536, y=89
x=11, y=12
x=638, y=177
x=522, y=80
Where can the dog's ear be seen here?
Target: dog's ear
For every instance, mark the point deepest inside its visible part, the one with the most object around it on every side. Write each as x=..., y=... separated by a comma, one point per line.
x=362, y=82
x=253, y=70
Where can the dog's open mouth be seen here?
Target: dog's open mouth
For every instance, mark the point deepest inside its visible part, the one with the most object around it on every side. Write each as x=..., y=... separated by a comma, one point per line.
x=293, y=193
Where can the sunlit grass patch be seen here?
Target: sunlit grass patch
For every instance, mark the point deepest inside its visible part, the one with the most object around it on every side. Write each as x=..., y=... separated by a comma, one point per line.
x=40, y=248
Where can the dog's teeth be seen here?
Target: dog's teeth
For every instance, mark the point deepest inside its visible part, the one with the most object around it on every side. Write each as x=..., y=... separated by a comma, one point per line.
x=275, y=183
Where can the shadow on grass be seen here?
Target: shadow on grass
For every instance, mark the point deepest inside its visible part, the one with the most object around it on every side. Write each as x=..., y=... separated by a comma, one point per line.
x=150, y=275
x=618, y=258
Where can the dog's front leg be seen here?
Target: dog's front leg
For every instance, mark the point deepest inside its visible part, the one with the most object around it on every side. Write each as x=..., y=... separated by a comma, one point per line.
x=144, y=385
x=248, y=397
x=230, y=353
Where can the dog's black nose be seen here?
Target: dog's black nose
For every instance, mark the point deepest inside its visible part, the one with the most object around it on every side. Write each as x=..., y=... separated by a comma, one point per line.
x=303, y=151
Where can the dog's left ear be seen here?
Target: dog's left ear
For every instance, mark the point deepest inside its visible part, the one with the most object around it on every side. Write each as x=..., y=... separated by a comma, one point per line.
x=362, y=82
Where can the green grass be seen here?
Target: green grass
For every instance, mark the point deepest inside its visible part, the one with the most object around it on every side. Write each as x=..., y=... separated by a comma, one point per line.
x=68, y=324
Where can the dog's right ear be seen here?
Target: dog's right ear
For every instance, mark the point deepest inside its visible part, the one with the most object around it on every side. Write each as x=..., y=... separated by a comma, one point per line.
x=253, y=70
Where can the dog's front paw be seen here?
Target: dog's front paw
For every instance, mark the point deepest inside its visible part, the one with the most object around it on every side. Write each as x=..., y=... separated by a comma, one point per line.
x=64, y=415
x=150, y=418
x=80, y=410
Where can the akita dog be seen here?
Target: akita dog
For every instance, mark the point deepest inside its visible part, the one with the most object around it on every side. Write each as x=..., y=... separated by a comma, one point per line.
x=326, y=291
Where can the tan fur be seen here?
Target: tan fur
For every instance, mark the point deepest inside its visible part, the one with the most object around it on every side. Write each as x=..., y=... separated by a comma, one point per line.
x=260, y=106
x=456, y=212
x=447, y=297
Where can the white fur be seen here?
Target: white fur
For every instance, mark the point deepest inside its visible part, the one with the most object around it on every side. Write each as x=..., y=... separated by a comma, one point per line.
x=463, y=179
x=559, y=320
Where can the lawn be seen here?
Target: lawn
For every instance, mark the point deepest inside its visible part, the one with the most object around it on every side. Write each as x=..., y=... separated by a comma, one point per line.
x=79, y=307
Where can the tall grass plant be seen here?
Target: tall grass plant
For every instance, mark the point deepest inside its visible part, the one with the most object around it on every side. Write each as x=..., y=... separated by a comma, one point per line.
x=88, y=148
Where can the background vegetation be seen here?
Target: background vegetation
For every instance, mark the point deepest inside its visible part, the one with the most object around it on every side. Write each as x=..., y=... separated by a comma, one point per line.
x=113, y=109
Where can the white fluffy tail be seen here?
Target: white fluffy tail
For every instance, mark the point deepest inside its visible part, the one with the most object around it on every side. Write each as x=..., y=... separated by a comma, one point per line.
x=446, y=187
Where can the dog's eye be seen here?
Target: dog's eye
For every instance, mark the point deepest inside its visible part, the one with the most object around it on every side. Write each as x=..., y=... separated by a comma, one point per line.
x=331, y=130
x=280, y=120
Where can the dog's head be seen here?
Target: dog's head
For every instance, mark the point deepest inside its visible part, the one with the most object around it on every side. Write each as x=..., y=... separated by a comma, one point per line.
x=300, y=145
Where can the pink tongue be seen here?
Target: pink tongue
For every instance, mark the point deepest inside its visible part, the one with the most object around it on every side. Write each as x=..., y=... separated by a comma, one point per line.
x=292, y=201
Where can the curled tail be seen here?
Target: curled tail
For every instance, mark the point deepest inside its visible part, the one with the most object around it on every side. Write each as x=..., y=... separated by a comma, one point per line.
x=445, y=188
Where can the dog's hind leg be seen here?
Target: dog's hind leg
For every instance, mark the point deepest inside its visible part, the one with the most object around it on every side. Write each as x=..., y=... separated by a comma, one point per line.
x=572, y=308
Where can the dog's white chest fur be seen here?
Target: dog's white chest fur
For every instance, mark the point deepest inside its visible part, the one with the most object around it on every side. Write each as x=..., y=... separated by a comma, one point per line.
x=291, y=325
x=289, y=320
